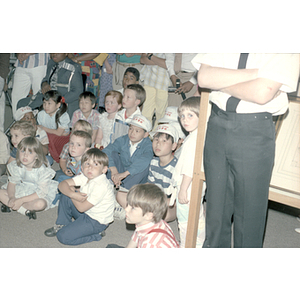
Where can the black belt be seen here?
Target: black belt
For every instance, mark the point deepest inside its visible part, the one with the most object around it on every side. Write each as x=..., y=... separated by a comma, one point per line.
x=233, y=116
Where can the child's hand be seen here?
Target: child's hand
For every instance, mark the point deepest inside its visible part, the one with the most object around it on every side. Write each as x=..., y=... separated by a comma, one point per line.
x=182, y=197
x=80, y=197
x=117, y=178
x=68, y=172
x=17, y=203
x=11, y=202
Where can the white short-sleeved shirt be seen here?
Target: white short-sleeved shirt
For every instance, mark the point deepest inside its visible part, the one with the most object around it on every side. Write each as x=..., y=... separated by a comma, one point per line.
x=282, y=68
x=100, y=193
x=49, y=121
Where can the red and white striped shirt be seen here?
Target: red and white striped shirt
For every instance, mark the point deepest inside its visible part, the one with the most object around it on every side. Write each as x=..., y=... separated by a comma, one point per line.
x=155, y=235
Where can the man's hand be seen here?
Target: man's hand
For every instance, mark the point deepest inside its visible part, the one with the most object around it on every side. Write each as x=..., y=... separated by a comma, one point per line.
x=45, y=87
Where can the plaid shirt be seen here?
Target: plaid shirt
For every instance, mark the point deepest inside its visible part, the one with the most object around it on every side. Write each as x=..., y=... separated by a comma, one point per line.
x=156, y=76
x=93, y=118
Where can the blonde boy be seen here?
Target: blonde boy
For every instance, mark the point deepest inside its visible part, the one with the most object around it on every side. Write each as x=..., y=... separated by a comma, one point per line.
x=188, y=113
x=134, y=97
x=65, y=157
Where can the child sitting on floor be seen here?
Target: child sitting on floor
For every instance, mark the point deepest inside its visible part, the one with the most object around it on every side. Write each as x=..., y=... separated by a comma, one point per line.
x=65, y=156
x=30, y=187
x=134, y=97
x=80, y=142
x=161, y=168
x=131, y=76
x=86, y=111
x=92, y=208
x=27, y=114
x=18, y=131
x=146, y=207
x=113, y=103
x=53, y=118
x=130, y=155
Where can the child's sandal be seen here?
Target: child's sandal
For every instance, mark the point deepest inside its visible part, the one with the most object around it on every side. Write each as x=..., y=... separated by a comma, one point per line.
x=31, y=214
x=5, y=208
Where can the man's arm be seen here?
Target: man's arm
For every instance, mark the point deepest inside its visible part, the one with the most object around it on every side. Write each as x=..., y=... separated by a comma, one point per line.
x=161, y=62
x=240, y=83
x=216, y=78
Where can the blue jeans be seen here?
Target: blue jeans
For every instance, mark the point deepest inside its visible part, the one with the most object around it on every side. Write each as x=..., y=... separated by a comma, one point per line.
x=82, y=230
x=59, y=177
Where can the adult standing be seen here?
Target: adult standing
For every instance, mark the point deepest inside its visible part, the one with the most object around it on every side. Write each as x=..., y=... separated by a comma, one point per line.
x=180, y=67
x=240, y=140
x=4, y=69
x=156, y=80
x=30, y=70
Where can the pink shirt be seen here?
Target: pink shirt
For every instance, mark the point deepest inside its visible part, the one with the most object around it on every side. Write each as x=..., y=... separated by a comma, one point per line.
x=165, y=239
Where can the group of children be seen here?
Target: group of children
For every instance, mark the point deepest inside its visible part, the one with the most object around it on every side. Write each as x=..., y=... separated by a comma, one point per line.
x=113, y=166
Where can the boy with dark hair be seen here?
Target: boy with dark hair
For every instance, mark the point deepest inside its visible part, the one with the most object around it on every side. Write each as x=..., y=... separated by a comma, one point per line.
x=146, y=207
x=86, y=111
x=92, y=207
x=131, y=76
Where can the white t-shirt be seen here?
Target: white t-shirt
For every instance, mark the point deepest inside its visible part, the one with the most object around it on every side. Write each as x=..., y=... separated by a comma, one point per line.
x=100, y=193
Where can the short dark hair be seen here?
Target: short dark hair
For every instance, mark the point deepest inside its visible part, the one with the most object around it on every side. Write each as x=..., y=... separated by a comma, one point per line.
x=88, y=94
x=97, y=155
x=168, y=136
x=134, y=71
x=139, y=92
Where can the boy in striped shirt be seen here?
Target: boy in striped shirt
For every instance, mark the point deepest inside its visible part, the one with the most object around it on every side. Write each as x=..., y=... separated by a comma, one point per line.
x=146, y=207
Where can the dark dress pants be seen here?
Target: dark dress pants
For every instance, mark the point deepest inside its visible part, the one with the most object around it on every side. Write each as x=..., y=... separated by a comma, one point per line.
x=238, y=161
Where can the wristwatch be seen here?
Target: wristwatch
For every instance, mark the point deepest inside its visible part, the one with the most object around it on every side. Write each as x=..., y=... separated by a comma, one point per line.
x=149, y=56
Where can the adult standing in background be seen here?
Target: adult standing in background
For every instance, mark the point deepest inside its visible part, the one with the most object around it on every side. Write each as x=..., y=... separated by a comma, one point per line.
x=156, y=80
x=4, y=69
x=247, y=89
x=180, y=67
x=30, y=70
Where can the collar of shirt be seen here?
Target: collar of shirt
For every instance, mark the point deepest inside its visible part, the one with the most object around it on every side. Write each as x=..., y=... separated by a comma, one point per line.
x=132, y=147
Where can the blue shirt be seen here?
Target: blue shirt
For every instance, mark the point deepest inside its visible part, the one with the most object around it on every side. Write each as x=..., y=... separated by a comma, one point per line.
x=140, y=159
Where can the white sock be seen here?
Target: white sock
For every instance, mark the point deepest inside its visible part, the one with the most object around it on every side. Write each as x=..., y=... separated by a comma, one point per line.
x=22, y=210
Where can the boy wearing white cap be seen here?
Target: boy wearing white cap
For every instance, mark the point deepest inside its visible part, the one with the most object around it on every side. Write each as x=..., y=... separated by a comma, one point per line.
x=130, y=155
x=162, y=166
x=171, y=117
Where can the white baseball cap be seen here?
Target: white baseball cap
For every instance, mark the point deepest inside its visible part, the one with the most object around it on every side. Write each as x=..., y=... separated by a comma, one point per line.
x=171, y=114
x=141, y=121
x=179, y=129
x=168, y=129
x=20, y=113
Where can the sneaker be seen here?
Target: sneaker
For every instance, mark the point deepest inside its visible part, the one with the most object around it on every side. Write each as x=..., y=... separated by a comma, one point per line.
x=53, y=230
x=119, y=213
x=297, y=230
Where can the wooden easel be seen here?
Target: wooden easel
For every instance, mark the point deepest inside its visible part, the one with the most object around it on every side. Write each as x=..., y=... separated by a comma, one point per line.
x=198, y=175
